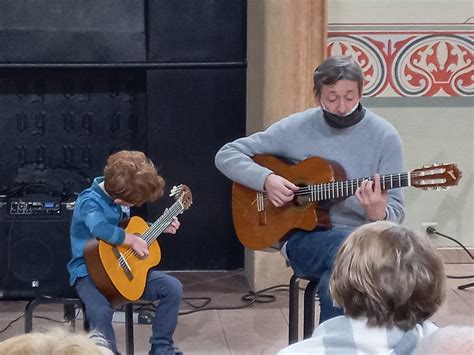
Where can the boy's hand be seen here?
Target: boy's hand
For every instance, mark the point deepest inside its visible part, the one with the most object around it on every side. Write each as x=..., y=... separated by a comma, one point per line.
x=138, y=244
x=173, y=227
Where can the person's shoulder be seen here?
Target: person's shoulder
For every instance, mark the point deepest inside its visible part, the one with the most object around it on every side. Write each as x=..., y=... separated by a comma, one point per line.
x=87, y=194
x=308, y=113
x=309, y=116
x=322, y=341
x=380, y=123
x=376, y=118
x=340, y=323
x=90, y=198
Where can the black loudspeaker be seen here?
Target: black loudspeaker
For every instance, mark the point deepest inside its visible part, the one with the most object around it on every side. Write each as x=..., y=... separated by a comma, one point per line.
x=35, y=249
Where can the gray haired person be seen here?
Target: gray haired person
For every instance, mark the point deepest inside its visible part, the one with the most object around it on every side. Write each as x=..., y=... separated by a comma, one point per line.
x=340, y=130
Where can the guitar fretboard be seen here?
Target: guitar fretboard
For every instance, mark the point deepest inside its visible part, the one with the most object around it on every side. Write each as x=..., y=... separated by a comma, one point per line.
x=161, y=223
x=340, y=189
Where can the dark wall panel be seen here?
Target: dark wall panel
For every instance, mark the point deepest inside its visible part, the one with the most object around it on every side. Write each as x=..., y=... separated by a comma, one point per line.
x=58, y=126
x=72, y=31
x=69, y=97
x=192, y=113
x=196, y=31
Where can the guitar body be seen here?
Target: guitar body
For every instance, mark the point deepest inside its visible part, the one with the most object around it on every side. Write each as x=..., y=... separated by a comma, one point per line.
x=262, y=229
x=107, y=273
x=259, y=224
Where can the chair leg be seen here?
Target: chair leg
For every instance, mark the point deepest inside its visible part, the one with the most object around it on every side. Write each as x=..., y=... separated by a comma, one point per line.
x=70, y=315
x=129, y=328
x=293, y=310
x=309, y=308
x=30, y=307
x=86, y=325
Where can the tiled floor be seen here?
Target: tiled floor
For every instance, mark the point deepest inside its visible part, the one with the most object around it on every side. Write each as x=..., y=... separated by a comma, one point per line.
x=261, y=328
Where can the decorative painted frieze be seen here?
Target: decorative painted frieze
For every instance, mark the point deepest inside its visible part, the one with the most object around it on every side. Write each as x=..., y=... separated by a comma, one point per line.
x=409, y=60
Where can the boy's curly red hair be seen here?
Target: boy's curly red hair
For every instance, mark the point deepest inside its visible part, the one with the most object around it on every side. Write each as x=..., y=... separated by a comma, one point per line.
x=132, y=177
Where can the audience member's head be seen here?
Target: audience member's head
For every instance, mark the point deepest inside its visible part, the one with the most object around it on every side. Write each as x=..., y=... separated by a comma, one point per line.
x=389, y=275
x=56, y=341
x=452, y=340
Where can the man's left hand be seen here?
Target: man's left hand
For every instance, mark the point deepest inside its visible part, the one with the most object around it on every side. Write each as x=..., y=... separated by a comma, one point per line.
x=373, y=199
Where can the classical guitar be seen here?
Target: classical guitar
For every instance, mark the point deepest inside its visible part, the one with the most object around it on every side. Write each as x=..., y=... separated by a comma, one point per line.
x=259, y=224
x=117, y=271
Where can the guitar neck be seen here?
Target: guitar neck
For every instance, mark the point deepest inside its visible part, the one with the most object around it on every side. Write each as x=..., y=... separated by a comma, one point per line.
x=341, y=189
x=161, y=223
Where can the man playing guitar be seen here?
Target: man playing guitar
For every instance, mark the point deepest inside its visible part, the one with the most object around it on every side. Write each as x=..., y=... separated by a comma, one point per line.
x=340, y=130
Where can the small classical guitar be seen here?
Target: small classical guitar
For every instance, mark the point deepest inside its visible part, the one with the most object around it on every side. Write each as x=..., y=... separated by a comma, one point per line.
x=259, y=224
x=117, y=271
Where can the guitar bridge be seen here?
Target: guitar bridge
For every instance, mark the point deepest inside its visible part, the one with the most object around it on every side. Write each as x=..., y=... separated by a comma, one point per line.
x=262, y=215
x=123, y=264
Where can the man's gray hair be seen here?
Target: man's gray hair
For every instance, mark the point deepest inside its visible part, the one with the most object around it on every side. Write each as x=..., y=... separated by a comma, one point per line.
x=337, y=68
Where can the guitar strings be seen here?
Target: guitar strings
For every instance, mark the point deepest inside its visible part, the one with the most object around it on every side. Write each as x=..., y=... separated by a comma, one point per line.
x=157, y=228
x=325, y=189
x=344, y=185
x=162, y=222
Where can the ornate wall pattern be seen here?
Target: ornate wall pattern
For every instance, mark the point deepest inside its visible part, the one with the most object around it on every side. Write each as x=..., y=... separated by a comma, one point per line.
x=409, y=60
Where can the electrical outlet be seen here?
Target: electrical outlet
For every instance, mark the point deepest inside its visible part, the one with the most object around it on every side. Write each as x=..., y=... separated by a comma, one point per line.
x=429, y=227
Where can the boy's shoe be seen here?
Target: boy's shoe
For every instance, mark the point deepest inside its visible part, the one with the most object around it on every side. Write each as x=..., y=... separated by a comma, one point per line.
x=169, y=351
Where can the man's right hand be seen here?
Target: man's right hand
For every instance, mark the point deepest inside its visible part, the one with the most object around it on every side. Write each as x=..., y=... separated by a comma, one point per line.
x=279, y=190
x=136, y=243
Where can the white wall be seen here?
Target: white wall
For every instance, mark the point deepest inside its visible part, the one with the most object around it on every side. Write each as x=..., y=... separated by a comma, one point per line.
x=438, y=135
x=433, y=129
x=399, y=11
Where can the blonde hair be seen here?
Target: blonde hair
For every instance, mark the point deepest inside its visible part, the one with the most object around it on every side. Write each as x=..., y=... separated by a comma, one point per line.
x=132, y=177
x=388, y=274
x=56, y=341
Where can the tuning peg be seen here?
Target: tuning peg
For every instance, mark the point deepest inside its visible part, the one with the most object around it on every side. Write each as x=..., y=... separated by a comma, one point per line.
x=175, y=190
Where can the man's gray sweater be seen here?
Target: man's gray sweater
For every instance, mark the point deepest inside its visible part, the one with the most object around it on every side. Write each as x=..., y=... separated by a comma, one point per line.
x=371, y=146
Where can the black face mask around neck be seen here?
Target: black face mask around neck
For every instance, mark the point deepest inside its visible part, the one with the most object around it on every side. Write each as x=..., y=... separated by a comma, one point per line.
x=339, y=122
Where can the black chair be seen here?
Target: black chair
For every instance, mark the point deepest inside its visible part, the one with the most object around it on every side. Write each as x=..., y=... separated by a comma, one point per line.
x=70, y=305
x=308, y=311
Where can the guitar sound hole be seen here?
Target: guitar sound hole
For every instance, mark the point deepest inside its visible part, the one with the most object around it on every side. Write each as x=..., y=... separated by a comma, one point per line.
x=301, y=200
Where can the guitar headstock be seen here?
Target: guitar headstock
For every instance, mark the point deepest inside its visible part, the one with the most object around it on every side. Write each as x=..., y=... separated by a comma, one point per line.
x=436, y=176
x=182, y=193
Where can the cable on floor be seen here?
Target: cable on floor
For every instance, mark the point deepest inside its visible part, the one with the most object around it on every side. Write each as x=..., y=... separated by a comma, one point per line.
x=250, y=298
x=432, y=230
x=10, y=324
